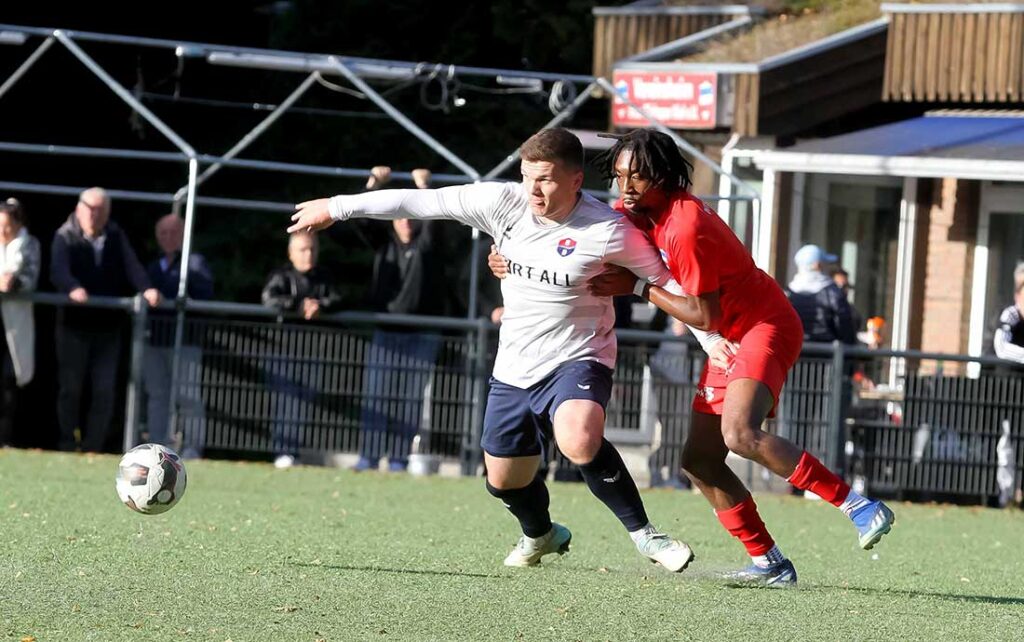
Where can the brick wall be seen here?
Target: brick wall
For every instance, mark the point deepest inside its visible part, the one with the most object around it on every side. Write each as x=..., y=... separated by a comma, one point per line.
x=952, y=227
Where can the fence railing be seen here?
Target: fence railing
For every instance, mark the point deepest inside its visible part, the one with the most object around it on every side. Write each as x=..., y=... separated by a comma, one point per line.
x=254, y=382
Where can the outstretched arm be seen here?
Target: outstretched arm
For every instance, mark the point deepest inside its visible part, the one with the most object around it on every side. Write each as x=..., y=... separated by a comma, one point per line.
x=478, y=206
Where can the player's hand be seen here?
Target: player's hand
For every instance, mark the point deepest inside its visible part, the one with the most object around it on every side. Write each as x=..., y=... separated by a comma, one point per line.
x=312, y=216
x=722, y=353
x=152, y=297
x=496, y=315
x=495, y=261
x=310, y=309
x=614, y=281
x=379, y=177
x=78, y=295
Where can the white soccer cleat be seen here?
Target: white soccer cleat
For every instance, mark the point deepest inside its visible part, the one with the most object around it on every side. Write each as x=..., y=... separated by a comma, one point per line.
x=672, y=554
x=529, y=550
x=284, y=461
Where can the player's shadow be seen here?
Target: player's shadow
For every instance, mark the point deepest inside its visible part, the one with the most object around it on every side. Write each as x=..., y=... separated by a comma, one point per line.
x=953, y=597
x=403, y=571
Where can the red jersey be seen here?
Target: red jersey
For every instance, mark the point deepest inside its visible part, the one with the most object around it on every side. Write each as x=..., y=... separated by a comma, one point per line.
x=704, y=255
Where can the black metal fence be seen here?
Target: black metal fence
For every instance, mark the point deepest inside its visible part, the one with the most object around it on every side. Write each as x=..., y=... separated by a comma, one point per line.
x=251, y=383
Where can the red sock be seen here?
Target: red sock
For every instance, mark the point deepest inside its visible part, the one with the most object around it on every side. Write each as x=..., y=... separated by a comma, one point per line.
x=811, y=474
x=743, y=523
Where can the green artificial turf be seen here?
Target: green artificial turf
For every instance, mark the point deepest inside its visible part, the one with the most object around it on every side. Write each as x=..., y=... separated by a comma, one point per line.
x=253, y=553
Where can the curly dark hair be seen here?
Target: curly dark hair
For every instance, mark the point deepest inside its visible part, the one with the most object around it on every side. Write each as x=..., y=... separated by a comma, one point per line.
x=655, y=156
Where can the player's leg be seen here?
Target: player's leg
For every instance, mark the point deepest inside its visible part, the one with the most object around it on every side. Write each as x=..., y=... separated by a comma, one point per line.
x=576, y=399
x=747, y=404
x=511, y=444
x=704, y=463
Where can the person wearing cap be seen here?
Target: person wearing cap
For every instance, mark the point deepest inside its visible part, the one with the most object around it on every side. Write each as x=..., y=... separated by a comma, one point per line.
x=818, y=301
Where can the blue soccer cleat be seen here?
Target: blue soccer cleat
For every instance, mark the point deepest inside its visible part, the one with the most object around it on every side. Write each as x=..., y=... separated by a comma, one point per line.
x=779, y=575
x=872, y=521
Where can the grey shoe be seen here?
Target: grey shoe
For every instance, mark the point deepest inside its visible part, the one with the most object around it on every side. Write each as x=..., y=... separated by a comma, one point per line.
x=529, y=550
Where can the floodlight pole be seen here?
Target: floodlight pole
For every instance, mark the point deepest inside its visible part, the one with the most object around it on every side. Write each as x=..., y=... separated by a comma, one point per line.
x=25, y=66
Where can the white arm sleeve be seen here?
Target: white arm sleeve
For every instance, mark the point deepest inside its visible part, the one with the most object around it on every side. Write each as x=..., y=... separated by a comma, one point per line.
x=629, y=247
x=1003, y=347
x=484, y=206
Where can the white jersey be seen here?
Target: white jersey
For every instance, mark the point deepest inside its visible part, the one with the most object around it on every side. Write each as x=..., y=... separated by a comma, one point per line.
x=550, y=318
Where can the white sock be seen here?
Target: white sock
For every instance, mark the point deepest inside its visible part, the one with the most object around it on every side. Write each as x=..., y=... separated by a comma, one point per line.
x=853, y=502
x=646, y=530
x=774, y=556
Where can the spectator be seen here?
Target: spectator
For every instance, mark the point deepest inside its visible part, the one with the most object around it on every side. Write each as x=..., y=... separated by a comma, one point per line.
x=401, y=360
x=821, y=305
x=304, y=288
x=842, y=280
x=91, y=256
x=164, y=274
x=1008, y=340
x=19, y=271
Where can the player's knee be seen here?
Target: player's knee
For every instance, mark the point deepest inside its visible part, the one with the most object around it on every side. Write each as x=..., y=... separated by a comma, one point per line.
x=580, y=447
x=739, y=438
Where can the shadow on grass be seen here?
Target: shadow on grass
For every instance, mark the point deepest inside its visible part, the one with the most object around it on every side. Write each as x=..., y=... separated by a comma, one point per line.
x=403, y=571
x=952, y=597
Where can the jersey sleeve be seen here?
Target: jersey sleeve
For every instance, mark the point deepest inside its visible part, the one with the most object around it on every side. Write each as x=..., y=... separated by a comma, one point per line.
x=1002, y=340
x=628, y=247
x=694, y=253
x=484, y=206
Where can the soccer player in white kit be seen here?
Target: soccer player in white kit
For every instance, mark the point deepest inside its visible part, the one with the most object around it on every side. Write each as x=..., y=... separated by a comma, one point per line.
x=557, y=347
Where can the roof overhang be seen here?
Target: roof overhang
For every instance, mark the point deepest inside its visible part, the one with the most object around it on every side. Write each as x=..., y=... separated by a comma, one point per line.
x=969, y=147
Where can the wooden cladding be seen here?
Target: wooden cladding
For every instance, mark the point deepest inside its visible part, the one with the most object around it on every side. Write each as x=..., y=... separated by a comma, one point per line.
x=790, y=99
x=619, y=36
x=955, y=57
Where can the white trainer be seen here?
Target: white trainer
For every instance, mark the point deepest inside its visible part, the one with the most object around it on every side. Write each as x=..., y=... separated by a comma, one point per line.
x=284, y=461
x=672, y=554
x=529, y=550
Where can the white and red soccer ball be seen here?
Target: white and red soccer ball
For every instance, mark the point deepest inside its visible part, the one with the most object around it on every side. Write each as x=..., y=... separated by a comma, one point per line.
x=150, y=479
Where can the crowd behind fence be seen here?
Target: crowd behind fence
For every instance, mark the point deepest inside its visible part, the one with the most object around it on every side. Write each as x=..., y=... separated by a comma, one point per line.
x=924, y=430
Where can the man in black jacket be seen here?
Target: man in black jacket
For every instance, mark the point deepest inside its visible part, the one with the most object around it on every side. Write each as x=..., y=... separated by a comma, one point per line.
x=158, y=365
x=408, y=278
x=90, y=256
x=821, y=305
x=306, y=289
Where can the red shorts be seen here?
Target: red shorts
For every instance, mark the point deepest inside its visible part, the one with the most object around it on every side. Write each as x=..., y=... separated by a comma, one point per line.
x=767, y=352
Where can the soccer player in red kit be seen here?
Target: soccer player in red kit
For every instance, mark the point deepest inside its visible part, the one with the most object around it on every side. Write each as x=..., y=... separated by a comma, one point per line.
x=762, y=334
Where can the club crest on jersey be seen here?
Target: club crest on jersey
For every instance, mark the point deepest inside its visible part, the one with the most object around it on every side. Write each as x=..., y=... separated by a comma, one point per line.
x=566, y=247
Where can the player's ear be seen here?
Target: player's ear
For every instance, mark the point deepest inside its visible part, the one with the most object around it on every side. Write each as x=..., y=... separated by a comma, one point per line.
x=577, y=181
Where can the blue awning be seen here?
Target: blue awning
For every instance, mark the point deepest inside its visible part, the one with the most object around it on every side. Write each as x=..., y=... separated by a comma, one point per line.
x=975, y=146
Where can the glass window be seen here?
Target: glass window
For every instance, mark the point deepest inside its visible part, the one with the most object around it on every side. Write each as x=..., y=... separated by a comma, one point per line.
x=858, y=220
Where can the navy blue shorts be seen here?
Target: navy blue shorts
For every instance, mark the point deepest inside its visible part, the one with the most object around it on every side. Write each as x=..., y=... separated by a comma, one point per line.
x=518, y=421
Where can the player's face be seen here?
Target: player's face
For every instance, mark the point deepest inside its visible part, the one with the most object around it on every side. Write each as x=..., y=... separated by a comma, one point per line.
x=639, y=193
x=551, y=187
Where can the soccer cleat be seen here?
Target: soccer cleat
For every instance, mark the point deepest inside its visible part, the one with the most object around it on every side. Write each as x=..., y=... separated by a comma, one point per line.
x=529, y=550
x=779, y=575
x=284, y=461
x=872, y=521
x=672, y=554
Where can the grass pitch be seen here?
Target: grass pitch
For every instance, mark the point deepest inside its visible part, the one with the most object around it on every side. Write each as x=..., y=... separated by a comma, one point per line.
x=252, y=553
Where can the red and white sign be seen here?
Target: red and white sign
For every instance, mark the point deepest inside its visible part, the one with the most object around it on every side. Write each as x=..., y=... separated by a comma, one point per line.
x=681, y=100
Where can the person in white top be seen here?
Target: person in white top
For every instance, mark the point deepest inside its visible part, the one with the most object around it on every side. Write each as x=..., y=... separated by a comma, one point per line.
x=556, y=345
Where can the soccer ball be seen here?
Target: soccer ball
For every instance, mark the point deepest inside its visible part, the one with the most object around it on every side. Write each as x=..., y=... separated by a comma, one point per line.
x=150, y=479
